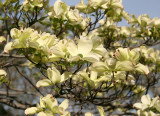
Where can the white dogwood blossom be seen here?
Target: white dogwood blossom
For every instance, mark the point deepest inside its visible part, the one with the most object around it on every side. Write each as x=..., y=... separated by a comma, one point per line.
x=59, y=10
x=144, y=108
x=82, y=53
x=54, y=77
x=84, y=50
x=48, y=106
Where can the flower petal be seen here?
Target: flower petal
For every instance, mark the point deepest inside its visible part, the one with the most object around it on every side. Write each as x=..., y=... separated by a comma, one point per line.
x=142, y=68
x=84, y=46
x=146, y=99
x=64, y=104
x=54, y=75
x=72, y=48
x=101, y=110
x=99, y=67
x=31, y=111
x=44, y=83
x=88, y=114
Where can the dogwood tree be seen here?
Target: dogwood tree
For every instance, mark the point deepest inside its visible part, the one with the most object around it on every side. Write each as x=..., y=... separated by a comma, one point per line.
x=73, y=60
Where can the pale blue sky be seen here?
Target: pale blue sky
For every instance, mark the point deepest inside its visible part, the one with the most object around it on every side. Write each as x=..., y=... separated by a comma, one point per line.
x=151, y=7
x=137, y=7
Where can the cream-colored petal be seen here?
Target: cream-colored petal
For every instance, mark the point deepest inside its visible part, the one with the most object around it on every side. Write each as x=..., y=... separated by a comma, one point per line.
x=99, y=67
x=31, y=110
x=84, y=46
x=146, y=99
x=54, y=75
x=101, y=110
x=72, y=48
x=44, y=83
x=64, y=104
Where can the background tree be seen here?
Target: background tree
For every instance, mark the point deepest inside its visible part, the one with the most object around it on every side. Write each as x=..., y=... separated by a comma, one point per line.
x=79, y=53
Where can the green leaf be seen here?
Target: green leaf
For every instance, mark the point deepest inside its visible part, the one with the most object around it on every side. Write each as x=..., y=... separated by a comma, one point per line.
x=42, y=18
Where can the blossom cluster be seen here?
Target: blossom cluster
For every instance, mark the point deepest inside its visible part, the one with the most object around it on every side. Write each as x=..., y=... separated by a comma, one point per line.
x=96, y=52
x=148, y=106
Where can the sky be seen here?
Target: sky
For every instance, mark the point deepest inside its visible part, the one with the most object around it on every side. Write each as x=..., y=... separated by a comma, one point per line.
x=137, y=7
